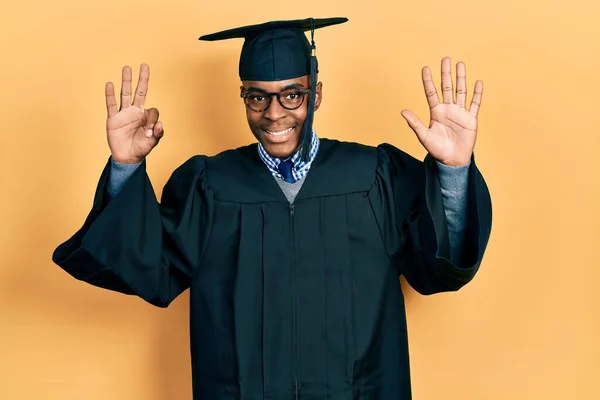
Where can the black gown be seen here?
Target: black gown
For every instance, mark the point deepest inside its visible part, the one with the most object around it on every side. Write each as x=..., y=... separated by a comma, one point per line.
x=288, y=301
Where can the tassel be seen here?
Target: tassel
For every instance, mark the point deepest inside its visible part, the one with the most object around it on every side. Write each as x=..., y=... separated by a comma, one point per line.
x=306, y=138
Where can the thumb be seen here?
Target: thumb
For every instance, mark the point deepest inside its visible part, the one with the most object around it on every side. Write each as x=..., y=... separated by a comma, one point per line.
x=415, y=124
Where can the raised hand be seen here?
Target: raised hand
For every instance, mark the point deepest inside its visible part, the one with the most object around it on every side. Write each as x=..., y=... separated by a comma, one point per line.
x=132, y=131
x=452, y=131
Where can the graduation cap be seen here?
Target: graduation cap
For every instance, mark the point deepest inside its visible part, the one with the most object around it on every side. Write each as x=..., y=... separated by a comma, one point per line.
x=279, y=50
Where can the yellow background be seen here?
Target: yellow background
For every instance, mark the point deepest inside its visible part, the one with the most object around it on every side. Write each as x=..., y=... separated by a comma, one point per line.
x=527, y=326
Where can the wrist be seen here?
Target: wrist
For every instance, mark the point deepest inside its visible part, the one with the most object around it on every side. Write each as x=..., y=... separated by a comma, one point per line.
x=128, y=161
x=456, y=162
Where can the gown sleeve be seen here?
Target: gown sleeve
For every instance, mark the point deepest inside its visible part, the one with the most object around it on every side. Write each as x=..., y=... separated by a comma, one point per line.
x=408, y=203
x=134, y=245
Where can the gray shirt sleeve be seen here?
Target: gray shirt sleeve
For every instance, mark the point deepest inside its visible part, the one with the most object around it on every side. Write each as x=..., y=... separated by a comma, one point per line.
x=454, y=182
x=119, y=173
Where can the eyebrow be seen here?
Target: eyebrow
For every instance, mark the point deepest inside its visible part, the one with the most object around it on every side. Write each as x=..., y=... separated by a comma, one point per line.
x=292, y=86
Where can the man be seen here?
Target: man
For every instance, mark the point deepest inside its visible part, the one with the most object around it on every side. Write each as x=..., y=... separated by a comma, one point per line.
x=291, y=247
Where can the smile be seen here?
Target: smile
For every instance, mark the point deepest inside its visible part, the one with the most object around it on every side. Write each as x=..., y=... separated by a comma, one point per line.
x=279, y=133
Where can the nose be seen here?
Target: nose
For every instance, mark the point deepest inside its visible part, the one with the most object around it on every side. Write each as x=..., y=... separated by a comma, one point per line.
x=275, y=110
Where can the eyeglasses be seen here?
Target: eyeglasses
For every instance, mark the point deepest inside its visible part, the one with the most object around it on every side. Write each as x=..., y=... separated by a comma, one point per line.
x=259, y=100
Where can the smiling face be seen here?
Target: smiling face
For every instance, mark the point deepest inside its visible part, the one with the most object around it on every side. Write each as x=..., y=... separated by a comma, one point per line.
x=277, y=128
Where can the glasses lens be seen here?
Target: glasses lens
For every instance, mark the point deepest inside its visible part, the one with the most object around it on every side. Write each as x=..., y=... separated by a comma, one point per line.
x=292, y=98
x=258, y=101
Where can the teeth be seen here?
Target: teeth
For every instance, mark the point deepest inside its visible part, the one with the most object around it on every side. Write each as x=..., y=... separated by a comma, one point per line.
x=280, y=132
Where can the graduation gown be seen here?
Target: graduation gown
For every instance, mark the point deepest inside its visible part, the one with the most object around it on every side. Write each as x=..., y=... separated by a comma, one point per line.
x=288, y=301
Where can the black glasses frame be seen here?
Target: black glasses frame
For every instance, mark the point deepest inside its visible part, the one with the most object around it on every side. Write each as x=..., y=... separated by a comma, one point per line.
x=270, y=95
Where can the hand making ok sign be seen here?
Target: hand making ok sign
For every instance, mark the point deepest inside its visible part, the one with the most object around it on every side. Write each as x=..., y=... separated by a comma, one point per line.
x=132, y=131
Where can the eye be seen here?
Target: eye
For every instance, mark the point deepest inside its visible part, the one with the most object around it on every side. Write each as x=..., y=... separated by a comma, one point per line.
x=293, y=94
x=257, y=97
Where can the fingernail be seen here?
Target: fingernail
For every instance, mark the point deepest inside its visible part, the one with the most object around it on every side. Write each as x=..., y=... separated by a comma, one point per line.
x=149, y=133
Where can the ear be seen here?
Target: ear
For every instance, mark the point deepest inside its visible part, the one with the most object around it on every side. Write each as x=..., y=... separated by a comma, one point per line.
x=319, y=95
x=242, y=90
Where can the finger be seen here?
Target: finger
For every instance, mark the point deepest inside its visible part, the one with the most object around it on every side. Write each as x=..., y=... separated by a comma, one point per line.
x=157, y=134
x=415, y=124
x=429, y=86
x=461, y=84
x=476, y=100
x=142, y=86
x=111, y=102
x=126, y=87
x=151, y=119
x=447, y=81
x=158, y=130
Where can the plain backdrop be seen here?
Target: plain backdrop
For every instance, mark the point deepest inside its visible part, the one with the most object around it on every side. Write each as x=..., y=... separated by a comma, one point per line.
x=527, y=326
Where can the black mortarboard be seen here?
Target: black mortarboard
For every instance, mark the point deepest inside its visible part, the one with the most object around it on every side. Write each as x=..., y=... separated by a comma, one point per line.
x=279, y=50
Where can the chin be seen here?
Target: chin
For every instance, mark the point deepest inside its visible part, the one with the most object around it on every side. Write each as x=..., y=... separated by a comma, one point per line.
x=280, y=151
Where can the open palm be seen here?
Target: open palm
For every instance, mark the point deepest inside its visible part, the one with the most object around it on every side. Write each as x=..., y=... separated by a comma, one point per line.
x=450, y=137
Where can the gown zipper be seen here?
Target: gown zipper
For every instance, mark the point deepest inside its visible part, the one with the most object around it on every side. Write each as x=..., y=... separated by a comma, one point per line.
x=295, y=329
